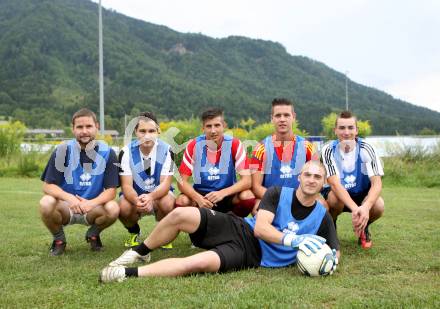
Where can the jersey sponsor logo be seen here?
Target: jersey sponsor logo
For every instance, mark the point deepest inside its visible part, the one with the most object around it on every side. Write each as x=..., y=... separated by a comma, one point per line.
x=286, y=172
x=85, y=180
x=213, y=173
x=292, y=228
x=149, y=183
x=350, y=181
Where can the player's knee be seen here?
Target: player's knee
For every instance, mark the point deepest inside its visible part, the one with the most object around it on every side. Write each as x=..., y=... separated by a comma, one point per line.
x=379, y=207
x=125, y=209
x=180, y=215
x=246, y=195
x=166, y=204
x=47, y=205
x=201, y=266
x=112, y=210
x=183, y=200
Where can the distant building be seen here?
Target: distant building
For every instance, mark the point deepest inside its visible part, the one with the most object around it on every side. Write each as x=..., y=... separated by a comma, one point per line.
x=112, y=133
x=45, y=132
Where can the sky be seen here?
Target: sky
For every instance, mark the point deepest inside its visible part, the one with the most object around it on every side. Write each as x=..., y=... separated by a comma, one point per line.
x=390, y=45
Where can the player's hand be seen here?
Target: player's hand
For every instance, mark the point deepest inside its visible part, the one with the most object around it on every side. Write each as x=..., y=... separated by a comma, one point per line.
x=335, y=262
x=308, y=243
x=85, y=205
x=360, y=219
x=204, y=203
x=215, y=196
x=73, y=203
x=146, y=204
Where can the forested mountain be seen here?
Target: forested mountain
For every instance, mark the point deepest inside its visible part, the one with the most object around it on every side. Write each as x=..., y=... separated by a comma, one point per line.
x=49, y=68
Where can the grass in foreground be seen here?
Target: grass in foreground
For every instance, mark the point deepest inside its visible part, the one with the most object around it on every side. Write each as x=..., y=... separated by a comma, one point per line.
x=402, y=269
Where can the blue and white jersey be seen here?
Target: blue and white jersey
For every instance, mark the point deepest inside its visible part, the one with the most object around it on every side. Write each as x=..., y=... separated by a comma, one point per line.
x=85, y=180
x=146, y=170
x=283, y=174
x=353, y=168
x=277, y=255
x=209, y=176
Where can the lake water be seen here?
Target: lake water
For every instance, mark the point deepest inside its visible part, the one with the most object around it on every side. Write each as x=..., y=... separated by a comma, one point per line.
x=385, y=145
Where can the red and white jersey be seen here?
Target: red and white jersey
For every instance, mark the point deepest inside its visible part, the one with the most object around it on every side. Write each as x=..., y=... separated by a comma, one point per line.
x=237, y=150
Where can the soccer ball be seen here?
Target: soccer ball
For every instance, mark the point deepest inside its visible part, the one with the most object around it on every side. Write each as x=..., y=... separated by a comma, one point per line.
x=316, y=264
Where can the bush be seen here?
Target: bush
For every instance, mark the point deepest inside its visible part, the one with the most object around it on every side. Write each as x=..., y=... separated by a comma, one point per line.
x=413, y=167
x=11, y=137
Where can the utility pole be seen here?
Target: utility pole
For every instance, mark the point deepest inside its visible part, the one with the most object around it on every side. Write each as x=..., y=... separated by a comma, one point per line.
x=346, y=90
x=101, y=75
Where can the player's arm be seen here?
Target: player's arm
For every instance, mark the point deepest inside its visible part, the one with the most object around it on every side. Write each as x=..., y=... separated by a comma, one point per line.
x=256, y=171
x=327, y=230
x=105, y=196
x=333, y=178
x=374, y=192
x=257, y=184
x=129, y=192
x=186, y=188
x=265, y=230
x=58, y=193
x=163, y=188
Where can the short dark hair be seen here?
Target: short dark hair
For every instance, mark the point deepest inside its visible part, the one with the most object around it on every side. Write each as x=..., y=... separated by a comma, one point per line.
x=211, y=113
x=146, y=116
x=345, y=115
x=84, y=112
x=281, y=101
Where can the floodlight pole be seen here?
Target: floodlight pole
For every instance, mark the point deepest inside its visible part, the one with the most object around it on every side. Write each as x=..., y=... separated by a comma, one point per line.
x=346, y=90
x=101, y=75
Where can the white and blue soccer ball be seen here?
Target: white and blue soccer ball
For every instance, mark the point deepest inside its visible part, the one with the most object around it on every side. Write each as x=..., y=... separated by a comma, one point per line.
x=316, y=264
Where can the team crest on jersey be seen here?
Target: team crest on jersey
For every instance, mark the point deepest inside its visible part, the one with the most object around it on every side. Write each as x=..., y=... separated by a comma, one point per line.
x=213, y=173
x=149, y=183
x=292, y=228
x=85, y=180
x=350, y=181
x=286, y=172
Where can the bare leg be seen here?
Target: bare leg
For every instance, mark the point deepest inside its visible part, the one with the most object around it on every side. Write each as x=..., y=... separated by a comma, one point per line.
x=207, y=261
x=184, y=201
x=164, y=206
x=54, y=213
x=335, y=205
x=185, y=219
x=103, y=216
x=377, y=210
x=127, y=213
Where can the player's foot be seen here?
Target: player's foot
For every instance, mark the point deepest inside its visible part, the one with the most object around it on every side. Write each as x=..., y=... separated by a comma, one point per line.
x=167, y=246
x=129, y=257
x=95, y=242
x=365, y=239
x=112, y=274
x=57, y=247
x=132, y=240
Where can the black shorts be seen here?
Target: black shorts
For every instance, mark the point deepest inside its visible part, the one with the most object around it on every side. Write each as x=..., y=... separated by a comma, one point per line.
x=228, y=236
x=225, y=205
x=357, y=198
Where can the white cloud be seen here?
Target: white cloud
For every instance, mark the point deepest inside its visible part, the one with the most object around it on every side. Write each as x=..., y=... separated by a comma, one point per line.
x=383, y=44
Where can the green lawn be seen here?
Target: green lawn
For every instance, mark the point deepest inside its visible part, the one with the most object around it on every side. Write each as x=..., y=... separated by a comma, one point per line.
x=402, y=270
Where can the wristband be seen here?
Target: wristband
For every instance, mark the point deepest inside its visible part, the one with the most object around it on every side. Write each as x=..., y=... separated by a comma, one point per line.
x=287, y=239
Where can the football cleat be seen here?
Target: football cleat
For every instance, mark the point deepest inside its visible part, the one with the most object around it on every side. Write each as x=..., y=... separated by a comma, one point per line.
x=95, y=242
x=167, y=246
x=112, y=274
x=57, y=247
x=365, y=239
x=132, y=240
x=129, y=257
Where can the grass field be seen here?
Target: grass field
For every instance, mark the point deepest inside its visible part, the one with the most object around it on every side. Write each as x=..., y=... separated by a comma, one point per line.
x=401, y=271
